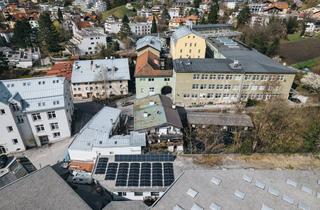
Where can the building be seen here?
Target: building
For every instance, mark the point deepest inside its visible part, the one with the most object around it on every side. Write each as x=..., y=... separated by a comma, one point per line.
x=216, y=30
x=235, y=73
x=21, y=58
x=186, y=43
x=87, y=41
x=34, y=112
x=135, y=177
x=242, y=189
x=61, y=69
x=13, y=168
x=132, y=205
x=112, y=25
x=159, y=118
x=42, y=189
x=174, y=12
x=102, y=136
x=100, y=78
x=140, y=28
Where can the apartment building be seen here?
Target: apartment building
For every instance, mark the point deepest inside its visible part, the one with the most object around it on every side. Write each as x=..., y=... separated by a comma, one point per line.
x=140, y=28
x=34, y=112
x=87, y=41
x=235, y=74
x=112, y=25
x=101, y=78
x=186, y=43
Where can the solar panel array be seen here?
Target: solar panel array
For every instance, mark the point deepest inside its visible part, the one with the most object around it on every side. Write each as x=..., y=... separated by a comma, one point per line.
x=101, y=166
x=144, y=158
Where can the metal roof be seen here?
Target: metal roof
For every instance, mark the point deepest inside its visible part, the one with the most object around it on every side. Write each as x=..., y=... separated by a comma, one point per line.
x=34, y=94
x=98, y=133
x=182, y=32
x=236, y=193
x=151, y=41
x=100, y=70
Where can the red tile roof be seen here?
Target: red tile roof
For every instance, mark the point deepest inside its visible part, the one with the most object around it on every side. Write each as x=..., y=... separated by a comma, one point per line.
x=62, y=69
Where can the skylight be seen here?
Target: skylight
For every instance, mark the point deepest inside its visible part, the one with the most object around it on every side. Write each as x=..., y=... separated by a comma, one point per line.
x=292, y=183
x=303, y=206
x=196, y=207
x=215, y=206
x=306, y=189
x=265, y=207
x=260, y=185
x=216, y=181
x=247, y=178
x=192, y=192
x=177, y=207
x=239, y=194
x=273, y=191
x=288, y=199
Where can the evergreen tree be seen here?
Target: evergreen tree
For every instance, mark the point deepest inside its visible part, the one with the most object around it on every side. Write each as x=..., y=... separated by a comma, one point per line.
x=22, y=34
x=125, y=28
x=196, y=3
x=165, y=17
x=3, y=42
x=213, y=14
x=292, y=24
x=60, y=15
x=125, y=19
x=244, y=16
x=3, y=63
x=154, y=28
x=48, y=35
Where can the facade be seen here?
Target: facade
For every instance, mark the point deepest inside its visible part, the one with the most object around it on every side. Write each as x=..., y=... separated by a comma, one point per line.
x=140, y=28
x=34, y=112
x=216, y=30
x=174, y=12
x=88, y=41
x=21, y=58
x=102, y=136
x=112, y=25
x=100, y=78
x=185, y=43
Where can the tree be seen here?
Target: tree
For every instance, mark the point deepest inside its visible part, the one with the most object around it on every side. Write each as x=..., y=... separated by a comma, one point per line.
x=196, y=3
x=244, y=16
x=125, y=19
x=60, y=15
x=22, y=34
x=165, y=17
x=3, y=63
x=154, y=28
x=3, y=42
x=125, y=28
x=213, y=13
x=292, y=24
x=48, y=35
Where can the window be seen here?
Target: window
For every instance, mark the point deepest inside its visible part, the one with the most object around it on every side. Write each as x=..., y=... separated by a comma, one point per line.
x=229, y=77
x=9, y=128
x=20, y=119
x=220, y=76
x=54, y=126
x=211, y=86
x=151, y=89
x=196, y=76
x=138, y=193
x=228, y=87
x=151, y=79
x=2, y=111
x=203, y=86
x=52, y=115
x=154, y=193
x=181, y=51
x=204, y=76
x=2, y=150
x=15, y=107
x=14, y=141
x=219, y=86
x=39, y=128
x=56, y=135
x=218, y=95
x=166, y=79
x=212, y=76
x=122, y=193
x=142, y=79
x=195, y=86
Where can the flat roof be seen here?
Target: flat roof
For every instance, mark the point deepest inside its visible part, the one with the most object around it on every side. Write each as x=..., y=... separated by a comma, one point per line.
x=243, y=189
x=100, y=70
x=42, y=189
x=221, y=119
x=155, y=111
x=126, y=205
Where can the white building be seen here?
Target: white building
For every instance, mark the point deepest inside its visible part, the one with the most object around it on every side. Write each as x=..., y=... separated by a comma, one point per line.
x=34, y=112
x=144, y=12
x=100, y=78
x=174, y=12
x=101, y=136
x=21, y=58
x=112, y=26
x=141, y=28
x=88, y=41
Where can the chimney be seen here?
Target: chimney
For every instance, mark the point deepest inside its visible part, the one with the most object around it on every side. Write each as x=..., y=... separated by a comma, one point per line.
x=173, y=106
x=145, y=114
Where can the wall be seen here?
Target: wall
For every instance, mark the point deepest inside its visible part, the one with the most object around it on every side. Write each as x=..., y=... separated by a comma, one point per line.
x=190, y=46
x=131, y=196
x=143, y=86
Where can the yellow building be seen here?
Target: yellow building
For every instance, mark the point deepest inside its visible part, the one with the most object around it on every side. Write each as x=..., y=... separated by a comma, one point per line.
x=186, y=43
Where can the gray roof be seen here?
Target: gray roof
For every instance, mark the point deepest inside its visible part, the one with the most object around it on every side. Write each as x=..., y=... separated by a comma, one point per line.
x=201, y=27
x=212, y=65
x=221, y=119
x=100, y=70
x=98, y=132
x=34, y=94
x=182, y=32
x=126, y=205
x=151, y=41
x=243, y=189
x=43, y=189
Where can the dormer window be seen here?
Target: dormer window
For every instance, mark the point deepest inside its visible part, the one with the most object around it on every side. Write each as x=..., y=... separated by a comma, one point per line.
x=15, y=107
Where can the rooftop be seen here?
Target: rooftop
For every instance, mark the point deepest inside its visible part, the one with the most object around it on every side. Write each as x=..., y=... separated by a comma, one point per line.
x=98, y=132
x=243, y=189
x=151, y=41
x=132, y=205
x=42, y=189
x=155, y=111
x=100, y=70
x=61, y=69
x=35, y=94
x=94, y=31
x=221, y=119
x=182, y=32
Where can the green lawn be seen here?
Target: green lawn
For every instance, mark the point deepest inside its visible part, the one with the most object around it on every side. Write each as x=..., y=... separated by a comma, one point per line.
x=307, y=64
x=118, y=12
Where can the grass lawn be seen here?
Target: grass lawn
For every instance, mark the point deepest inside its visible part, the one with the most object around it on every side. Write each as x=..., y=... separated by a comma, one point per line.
x=307, y=64
x=294, y=37
x=118, y=12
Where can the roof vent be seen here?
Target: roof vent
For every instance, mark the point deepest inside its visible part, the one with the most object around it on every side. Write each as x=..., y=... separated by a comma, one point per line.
x=247, y=178
x=216, y=181
x=303, y=206
x=192, y=192
x=215, y=206
x=288, y=199
x=306, y=189
x=265, y=207
x=292, y=183
x=173, y=106
x=273, y=191
x=239, y=194
x=235, y=65
x=145, y=114
x=260, y=185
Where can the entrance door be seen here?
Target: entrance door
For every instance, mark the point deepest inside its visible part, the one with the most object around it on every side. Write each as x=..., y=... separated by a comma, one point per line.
x=43, y=140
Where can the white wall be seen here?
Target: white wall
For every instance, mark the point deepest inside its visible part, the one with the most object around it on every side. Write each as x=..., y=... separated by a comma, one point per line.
x=131, y=195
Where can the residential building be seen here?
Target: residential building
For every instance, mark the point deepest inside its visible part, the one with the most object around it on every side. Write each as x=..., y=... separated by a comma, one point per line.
x=144, y=12
x=242, y=189
x=159, y=118
x=42, y=189
x=101, y=78
x=112, y=25
x=277, y=8
x=140, y=28
x=135, y=177
x=102, y=136
x=216, y=30
x=21, y=58
x=189, y=21
x=149, y=43
x=34, y=112
x=236, y=73
x=174, y=12
x=87, y=41
x=186, y=43
x=61, y=69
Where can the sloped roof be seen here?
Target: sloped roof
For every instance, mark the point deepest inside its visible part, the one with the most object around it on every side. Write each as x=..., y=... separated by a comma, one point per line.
x=126, y=205
x=182, y=32
x=151, y=41
x=61, y=69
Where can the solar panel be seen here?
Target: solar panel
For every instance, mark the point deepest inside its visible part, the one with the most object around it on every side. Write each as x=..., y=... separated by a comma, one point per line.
x=101, y=166
x=145, y=158
x=111, y=171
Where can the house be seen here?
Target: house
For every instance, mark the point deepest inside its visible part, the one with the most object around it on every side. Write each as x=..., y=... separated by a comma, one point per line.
x=277, y=8
x=61, y=69
x=112, y=25
x=312, y=28
x=174, y=12
x=21, y=58
x=42, y=189
x=242, y=189
x=101, y=78
x=144, y=12
x=189, y=21
x=87, y=41
x=149, y=43
x=102, y=136
x=140, y=28
x=158, y=117
x=186, y=43
x=257, y=8
x=135, y=177
x=34, y=112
